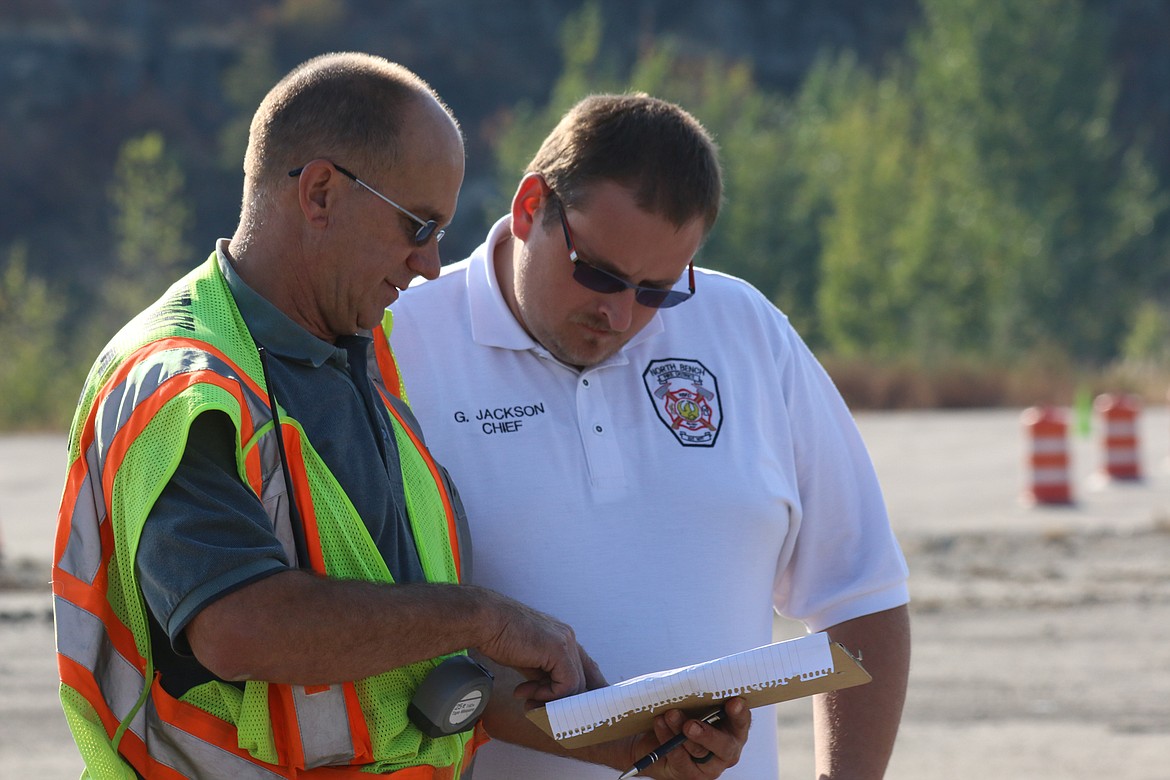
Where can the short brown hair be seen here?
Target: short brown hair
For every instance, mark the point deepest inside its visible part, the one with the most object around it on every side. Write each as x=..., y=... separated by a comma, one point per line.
x=654, y=148
x=346, y=107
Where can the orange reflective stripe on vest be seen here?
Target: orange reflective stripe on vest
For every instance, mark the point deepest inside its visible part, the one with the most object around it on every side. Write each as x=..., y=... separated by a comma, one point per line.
x=97, y=652
x=387, y=380
x=150, y=388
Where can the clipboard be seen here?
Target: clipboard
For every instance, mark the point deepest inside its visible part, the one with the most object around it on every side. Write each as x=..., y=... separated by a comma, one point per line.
x=847, y=673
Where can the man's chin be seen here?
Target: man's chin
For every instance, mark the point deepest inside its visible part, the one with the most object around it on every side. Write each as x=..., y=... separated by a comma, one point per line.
x=586, y=355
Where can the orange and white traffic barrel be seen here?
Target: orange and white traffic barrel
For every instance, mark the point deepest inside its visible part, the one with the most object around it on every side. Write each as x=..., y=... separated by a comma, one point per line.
x=1047, y=430
x=1119, y=414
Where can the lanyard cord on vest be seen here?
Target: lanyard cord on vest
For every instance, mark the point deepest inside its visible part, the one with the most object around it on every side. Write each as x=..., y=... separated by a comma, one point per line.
x=298, y=530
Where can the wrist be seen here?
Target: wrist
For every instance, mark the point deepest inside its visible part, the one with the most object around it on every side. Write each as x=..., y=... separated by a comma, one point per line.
x=484, y=612
x=619, y=754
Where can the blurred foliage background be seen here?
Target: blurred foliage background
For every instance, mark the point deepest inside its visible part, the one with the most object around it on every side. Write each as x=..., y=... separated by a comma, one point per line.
x=957, y=202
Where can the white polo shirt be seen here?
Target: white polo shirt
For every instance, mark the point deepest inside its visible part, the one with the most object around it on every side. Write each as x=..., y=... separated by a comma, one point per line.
x=663, y=502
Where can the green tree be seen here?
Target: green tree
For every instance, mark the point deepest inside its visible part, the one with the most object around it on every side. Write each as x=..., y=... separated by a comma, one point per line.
x=912, y=246
x=1019, y=97
x=972, y=201
x=859, y=142
x=34, y=380
x=151, y=221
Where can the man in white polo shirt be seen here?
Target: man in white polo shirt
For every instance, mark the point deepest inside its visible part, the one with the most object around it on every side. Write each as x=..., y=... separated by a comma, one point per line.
x=647, y=450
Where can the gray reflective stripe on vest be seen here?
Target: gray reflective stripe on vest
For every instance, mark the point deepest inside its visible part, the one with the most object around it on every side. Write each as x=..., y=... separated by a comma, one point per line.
x=82, y=637
x=145, y=378
x=318, y=717
x=322, y=717
x=196, y=758
x=140, y=383
x=83, y=550
x=274, y=495
x=83, y=556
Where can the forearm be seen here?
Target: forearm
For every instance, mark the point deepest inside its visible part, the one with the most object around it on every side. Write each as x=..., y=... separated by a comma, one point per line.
x=295, y=627
x=855, y=728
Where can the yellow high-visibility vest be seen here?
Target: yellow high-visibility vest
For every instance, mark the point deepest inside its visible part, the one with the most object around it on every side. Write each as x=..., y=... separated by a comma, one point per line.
x=189, y=353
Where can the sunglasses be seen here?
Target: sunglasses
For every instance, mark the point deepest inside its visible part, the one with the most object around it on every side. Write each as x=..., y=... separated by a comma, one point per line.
x=594, y=278
x=426, y=227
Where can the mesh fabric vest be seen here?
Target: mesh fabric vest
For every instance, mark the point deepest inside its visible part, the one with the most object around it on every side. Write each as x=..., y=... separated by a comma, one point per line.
x=189, y=353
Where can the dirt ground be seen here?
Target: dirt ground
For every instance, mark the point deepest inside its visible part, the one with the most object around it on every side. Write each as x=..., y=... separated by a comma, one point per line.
x=1041, y=635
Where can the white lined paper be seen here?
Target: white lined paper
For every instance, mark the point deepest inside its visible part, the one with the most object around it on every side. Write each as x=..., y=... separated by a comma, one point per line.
x=803, y=658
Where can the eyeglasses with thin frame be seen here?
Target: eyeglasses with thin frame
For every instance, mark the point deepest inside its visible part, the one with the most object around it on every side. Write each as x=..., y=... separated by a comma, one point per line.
x=426, y=227
x=598, y=280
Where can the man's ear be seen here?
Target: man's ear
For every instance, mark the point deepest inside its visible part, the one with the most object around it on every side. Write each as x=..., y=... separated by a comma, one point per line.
x=316, y=191
x=530, y=198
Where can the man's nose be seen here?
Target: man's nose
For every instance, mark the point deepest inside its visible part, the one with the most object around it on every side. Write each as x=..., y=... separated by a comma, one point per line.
x=424, y=261
x=618, y=309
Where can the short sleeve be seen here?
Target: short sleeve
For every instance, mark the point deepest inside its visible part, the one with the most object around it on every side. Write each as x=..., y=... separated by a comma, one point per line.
x=846, y=561
x=206, y=535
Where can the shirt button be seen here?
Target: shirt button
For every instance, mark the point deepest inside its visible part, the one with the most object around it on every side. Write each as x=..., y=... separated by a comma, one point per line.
x=597, y=428
x=585, y=382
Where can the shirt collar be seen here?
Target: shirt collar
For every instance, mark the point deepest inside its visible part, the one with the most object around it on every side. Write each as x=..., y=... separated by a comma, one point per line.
x=272, y=328
x=492, y=322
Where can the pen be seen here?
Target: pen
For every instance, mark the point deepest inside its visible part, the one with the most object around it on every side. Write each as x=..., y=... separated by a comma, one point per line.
x=669, y=745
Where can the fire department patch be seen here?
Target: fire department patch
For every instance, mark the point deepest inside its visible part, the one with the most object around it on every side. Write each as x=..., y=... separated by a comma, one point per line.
x=686, y=397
